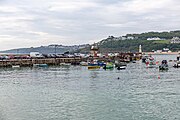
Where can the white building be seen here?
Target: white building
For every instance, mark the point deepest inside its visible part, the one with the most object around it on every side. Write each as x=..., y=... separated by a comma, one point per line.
x=130, y=38
x=158, y=51
x=155, y=38
x=175, y=40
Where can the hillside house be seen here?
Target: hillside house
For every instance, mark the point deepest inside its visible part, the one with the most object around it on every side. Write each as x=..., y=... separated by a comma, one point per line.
x=175, y=40
x=155, y=38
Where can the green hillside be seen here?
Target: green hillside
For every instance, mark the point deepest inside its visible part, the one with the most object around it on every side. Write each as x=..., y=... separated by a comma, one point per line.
x=132, y=45
x=123, y=44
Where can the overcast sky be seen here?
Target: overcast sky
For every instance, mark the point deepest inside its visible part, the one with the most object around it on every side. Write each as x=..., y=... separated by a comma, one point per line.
x=26, y=23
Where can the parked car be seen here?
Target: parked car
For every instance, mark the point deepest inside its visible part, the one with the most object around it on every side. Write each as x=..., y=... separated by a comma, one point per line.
x=36, y=55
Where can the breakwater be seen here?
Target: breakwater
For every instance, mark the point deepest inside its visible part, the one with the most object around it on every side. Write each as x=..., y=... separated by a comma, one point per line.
x=30, y=62
x=125, y=57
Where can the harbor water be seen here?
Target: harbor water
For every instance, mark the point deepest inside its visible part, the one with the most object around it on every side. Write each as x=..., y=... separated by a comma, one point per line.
x=76, y=93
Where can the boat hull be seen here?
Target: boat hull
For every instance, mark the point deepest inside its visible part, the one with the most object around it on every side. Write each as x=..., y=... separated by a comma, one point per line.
x=40, y=65
x=162, y=68
x=121, y=68
x=93, y=67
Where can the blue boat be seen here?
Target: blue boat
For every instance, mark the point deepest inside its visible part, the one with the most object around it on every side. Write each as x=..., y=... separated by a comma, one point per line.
x=101, y=64
x=40, y=65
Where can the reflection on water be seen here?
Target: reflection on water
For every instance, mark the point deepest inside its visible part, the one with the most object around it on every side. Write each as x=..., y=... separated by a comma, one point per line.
x=94, y=74
x=75, y=93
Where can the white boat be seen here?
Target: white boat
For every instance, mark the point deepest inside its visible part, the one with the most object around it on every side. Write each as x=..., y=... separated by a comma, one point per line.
x=121, y=67
x=15, y=66
x=84, y=63
x=65, y=64
x=40, y=65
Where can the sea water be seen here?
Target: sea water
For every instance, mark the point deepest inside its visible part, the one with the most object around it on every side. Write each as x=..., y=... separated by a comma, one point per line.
x=76, y=93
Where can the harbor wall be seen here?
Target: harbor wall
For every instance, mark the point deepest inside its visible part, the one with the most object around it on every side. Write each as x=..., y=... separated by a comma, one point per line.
x=30, y=62
x=73, y=60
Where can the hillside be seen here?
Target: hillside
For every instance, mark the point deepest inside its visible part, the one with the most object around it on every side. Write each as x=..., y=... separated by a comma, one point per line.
x=59, y=49
x=163, y=35
x=131, y=42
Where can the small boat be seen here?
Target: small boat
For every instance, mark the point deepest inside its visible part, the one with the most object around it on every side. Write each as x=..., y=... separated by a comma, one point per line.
x=95, y=64
x=163, y=66
x=93, y=67
x=84, y=63
x=40, y=65
x=144, y=58
x=15, y=66
x=108, y=66
x=121, y=68
x=133, y=61
x=65, y=64
x=177, y=64
x=151, y=63
x=101, y=64
x=119, y=64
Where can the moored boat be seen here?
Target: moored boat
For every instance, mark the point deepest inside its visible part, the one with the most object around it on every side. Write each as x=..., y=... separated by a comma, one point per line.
x=177, y=64
x=163, y=66
x=101, y=63
x=65, y=64
x=40, y=65
x=151, y=62
x=84, y=63
x=119, y=64
x=94, y=67
x=95, y=64
x=144, y=58
x=15, y=66
x=108, y=66
x=121, y=67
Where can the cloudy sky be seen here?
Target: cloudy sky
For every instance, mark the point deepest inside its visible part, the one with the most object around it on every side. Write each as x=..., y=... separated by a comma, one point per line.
x=26, y=23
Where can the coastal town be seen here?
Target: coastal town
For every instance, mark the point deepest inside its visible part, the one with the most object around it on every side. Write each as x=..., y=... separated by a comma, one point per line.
x=94, y=59
x=89, y=59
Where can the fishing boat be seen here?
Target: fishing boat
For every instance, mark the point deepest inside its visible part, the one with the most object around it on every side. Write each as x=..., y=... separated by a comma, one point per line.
x=108, y=66
x=163, y=66
x=93, y=67
x=95, y=64
x=40, y=65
